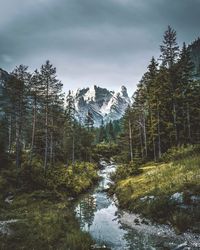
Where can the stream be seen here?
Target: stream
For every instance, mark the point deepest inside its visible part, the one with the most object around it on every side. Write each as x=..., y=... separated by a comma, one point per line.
x=115, y=229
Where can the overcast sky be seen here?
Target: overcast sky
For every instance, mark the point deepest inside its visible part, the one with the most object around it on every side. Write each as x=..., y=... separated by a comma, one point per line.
x=102, y=42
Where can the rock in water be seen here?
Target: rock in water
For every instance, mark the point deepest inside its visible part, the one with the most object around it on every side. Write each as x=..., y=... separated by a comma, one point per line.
x=181, y=246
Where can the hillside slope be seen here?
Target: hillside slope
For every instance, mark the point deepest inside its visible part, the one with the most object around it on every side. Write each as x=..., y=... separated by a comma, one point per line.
x=167, y=191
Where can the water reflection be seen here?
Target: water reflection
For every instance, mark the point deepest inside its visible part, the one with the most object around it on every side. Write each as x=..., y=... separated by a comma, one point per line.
x=85, y=211
x=99, y=216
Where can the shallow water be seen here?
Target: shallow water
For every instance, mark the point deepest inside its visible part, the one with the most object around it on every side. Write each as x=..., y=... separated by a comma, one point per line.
x=110, y=227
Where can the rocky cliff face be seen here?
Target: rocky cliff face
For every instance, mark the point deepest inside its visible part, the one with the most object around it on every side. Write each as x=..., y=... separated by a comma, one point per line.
x=4, y=76
x=195, y=57
x=101, y=103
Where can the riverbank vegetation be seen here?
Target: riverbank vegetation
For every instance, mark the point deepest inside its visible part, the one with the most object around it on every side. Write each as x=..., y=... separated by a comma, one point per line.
x=162, y=120
x=40, y=223
x=36, y=209
x=45, y=163
x=165, y=111
x=167, y=191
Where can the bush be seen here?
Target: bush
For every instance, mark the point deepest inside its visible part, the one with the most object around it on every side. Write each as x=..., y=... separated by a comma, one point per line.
x=179, y=153
x=72, y=179
x=158, y=209
x=126, y=170
x=32, y=177
x=181, y=220
x=105, y=150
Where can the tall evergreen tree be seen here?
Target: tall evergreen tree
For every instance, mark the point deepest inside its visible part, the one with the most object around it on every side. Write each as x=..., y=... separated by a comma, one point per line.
x=52, y=88
x=17, y=89
x=169, y=56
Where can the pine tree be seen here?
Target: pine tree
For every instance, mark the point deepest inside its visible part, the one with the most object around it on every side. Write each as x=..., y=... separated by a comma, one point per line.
x=89, y=121
x=169, y=57
x=102, y=133
x=52, y=88
x=111, y=132
x=70, y=125
x=185, y=85
x=17, y=88
x=34, y=93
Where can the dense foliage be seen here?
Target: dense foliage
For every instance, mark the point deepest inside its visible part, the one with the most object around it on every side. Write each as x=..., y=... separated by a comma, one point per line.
x=34, y=120
x=165, y=110
x=44, y=163
x=150, y=190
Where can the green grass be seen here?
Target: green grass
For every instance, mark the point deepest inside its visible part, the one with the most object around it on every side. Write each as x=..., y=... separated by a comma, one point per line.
x=42, y=225
x=45, y=218
x=161, y=180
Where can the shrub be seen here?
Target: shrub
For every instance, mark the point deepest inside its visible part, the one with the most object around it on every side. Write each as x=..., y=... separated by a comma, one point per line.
x=32, y=177
x=159, y=208
x=126, y=170
x=181, y=220
x=72, y=179
x=106, y=150
x=178, y=153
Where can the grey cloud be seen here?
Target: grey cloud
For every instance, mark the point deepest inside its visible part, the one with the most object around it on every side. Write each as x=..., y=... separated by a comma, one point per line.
x=92, y=41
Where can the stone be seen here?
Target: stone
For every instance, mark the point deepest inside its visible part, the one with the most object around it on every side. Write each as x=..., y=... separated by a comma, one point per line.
x=177, y=197
x=195, y=199
x=181, y=246
x=137, y=222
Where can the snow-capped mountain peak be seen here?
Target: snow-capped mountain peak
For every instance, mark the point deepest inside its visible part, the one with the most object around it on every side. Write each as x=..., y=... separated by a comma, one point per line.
x=90, y=94
x=101, y=103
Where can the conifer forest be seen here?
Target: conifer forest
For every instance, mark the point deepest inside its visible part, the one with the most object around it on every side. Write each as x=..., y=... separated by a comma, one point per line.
x=95, y=168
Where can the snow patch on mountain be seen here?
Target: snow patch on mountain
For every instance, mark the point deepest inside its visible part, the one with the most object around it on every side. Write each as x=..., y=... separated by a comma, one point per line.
x=104, y=105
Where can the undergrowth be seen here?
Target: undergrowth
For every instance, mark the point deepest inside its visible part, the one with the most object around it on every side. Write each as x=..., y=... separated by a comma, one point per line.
x=149, y=191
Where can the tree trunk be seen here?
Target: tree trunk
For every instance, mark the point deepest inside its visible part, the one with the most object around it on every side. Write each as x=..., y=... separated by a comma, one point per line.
x=130, y=140
x=175, y=122
x=18, y=134
x=51, y=149
x=46, y=128
x=17, y=144
x=188, y=123
x=33, y=130
x=10, y=135
x=51, y=145
x=159, y=141
x=141, y=142
x=153, y=138
x=145, y=135
x=73, y=148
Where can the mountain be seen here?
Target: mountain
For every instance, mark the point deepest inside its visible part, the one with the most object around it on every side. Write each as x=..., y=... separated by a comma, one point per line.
x=195, y=57
x=4, y=77
x=102, y=104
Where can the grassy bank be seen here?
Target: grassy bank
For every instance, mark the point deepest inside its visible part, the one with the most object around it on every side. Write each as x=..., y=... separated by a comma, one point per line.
x=41, y=206
x=167, y=191
x=42, y=224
